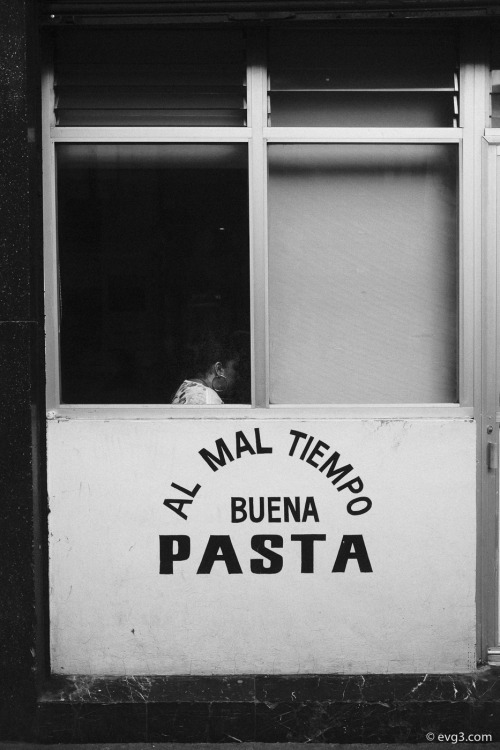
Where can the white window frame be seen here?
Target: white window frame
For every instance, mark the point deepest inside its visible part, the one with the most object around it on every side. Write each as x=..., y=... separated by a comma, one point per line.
x=257, y=135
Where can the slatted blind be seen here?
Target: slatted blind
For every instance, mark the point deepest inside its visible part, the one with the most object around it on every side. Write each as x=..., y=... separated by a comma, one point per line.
x=150, y=77
x=363, y=273
x=358, y=79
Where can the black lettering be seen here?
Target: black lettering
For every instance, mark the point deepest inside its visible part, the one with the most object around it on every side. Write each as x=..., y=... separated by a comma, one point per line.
x=238, y=506
x=167, y=554
x=253, y=515
x=298, y=435
x=258, y=545
x=352, y=503
x=310, y=509
x=227, y=555
x=316, y=451
x=192, y=493
x=260, y=448
x=294, y=509
x=355, y=485
x=359, y=553
x=307, y=549
x=273, y=507
x=242, y=444
x=333, y=471
x=171, y=503
x=219, y=459
x=302, y=455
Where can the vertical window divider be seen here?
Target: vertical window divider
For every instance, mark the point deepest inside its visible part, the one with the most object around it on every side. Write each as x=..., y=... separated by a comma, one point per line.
x=488, y=598
x=50, y=238
x=471, y=121
x=257, y=109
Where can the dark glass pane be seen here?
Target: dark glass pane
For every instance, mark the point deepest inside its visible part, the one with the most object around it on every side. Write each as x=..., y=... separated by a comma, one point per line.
x=366, y=109
x=150, y=118
x=495, y=80
x=495, y=101
x=146, y=77
x=153, y=252
x=369, y=78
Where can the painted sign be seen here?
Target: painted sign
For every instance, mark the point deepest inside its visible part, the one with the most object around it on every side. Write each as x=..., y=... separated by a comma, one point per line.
x=243, y=546
x=271, y=509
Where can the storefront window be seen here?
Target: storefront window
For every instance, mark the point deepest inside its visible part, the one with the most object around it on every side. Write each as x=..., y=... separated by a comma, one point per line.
x=283, y=199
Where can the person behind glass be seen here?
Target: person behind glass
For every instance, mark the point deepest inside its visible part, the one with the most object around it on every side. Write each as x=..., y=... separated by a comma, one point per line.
x=215, y=369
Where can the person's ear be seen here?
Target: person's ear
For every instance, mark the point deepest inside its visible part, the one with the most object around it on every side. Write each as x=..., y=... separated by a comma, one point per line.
x=219, y=370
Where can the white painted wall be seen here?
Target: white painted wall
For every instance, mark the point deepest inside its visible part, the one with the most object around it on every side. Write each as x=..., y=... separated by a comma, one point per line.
x=113, y=613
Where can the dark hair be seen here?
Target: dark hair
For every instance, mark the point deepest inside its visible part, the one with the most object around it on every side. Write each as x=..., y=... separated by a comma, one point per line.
x=215, y=347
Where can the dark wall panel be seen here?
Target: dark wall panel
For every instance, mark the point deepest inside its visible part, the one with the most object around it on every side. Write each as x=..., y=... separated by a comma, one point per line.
x=14, y=186
x=20, y=379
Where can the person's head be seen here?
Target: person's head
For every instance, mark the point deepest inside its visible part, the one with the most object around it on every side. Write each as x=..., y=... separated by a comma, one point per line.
x=222, y=375
x=215, y=360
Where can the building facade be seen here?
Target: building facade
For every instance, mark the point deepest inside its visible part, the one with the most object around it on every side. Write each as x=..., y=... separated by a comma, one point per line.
x=290, y=208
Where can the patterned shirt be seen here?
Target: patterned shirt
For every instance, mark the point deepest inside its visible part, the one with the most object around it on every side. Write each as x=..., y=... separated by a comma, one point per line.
x=192, y=392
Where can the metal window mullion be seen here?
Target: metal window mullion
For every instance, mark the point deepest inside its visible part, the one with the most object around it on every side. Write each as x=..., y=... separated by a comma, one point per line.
x=149, y=134
x=257, y=114
x=51, y=273
x=487, y=583
x=363, y=135
x=489, y=599
x=472, y=103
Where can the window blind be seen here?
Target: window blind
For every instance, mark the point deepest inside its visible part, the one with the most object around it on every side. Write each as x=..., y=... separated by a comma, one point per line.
x=149, y=77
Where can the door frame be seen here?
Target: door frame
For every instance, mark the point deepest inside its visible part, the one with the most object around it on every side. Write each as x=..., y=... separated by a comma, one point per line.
x=488, y=415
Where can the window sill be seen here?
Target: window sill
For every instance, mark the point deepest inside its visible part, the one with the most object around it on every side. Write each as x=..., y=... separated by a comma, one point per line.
x=309, y=411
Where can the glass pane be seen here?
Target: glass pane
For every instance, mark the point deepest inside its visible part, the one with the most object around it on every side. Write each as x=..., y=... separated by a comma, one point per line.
x=150, y=77
x=154, y=271
x=363, y=273
x=495, y=95
x=397, y=109
x=378, y=78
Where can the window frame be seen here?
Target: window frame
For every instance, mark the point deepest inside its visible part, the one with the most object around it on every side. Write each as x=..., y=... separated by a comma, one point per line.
x=257, y=135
